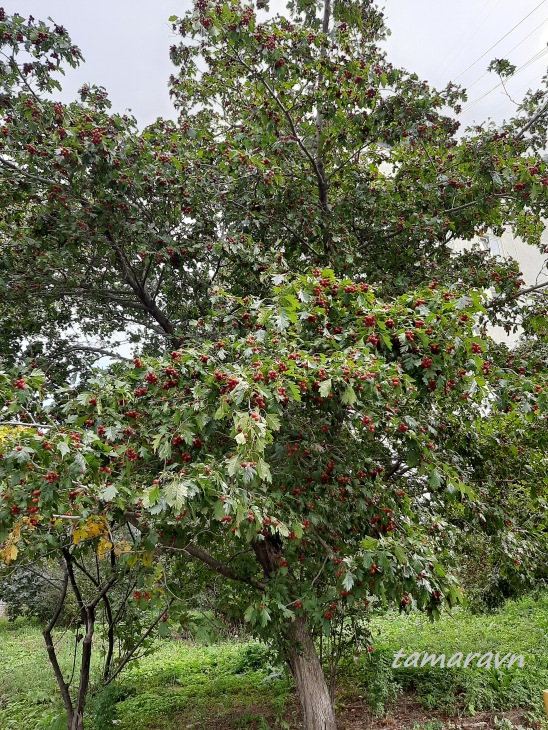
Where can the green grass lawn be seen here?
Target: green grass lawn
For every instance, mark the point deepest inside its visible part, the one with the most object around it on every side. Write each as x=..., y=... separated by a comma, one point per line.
x=228, y=684
x=180, y=684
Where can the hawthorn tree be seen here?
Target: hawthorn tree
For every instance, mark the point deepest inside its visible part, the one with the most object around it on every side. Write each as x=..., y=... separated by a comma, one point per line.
x=313, y=455
x=316, y=435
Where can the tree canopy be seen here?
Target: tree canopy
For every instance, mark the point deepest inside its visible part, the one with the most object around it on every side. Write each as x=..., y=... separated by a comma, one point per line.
x=314, y=410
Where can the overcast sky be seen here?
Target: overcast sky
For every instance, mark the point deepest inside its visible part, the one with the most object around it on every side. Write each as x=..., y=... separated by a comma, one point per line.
x=125, y=44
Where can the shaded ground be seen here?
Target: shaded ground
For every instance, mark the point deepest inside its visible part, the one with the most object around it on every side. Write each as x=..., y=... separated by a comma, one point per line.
x=406, y=715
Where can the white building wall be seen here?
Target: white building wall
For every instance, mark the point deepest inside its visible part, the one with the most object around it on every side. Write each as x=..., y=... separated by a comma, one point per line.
x=532, y=262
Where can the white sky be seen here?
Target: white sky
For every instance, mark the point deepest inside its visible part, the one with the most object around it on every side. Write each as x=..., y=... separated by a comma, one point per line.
x=125, y=44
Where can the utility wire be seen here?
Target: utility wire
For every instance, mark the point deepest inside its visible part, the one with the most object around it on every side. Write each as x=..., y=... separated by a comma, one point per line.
x=528, y=63
x=500, y=39
x=517, y=93
x=469, y=86
x=459, y=44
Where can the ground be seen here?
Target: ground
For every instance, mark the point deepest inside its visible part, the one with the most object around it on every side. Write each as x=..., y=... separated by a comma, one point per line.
x=236, y=684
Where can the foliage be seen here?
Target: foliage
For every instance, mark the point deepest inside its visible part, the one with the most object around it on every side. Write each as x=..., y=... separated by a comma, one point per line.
x=298, y=144
x=26, y=593
x=377, y=676
x=333, y=417
x=202, y=683
x=176, y=680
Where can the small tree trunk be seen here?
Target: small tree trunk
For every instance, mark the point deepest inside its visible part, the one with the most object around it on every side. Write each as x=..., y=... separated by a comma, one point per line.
x=307, y=673
x=76, y=722
x=85, y=664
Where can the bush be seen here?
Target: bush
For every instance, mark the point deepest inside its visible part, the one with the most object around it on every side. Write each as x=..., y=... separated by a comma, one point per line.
x=252, y=658
x=381, y=687
x=104, y=702
x=34, y=594
x=27, y=594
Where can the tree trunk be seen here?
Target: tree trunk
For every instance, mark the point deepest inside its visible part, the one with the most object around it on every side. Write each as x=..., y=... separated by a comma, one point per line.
x=307, y=673
x=76, y=722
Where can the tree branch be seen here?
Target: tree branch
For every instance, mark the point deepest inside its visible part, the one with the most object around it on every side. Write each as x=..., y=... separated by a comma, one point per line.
x=30, y=176
x=50, y=648
x=517, y=295
x=98, y=350
x=201, y=555
x=298, y=140
x=141, y=292
x=534, y=119
x=133, y=649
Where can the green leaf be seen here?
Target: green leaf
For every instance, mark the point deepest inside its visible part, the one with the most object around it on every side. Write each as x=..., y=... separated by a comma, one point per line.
x=325, y=388
x=109, y=493
x=63, y=448
x=400, y=554
x=281, y=321
x=273, y=422
x=435, y=479
x=264, y=617
x=263, y=470
x=349, y=580
x=234, y=464
x=221, y=411
x=153, y=495
x=295, y=392
x=219, y=510
x=249, y=614
x=349, y=396
x=369, y=543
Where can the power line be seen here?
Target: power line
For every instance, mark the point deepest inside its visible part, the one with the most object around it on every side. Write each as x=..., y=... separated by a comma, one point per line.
x=469, y=86
x=532, y=80
x=465, y=36
x=500, y=39
x=528, y=63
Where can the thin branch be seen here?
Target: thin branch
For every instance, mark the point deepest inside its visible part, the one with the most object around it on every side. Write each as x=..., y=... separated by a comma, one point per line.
x=25, y=425
x=320, y=571
x=274, y=97
x=534, y=119
x=98, y=350
x=134, y=648
x=522, y=292
x=201, y=555
x=50, y=648
x=30, y=176
x=474, y=202
x=141, y=292
x=517, y=295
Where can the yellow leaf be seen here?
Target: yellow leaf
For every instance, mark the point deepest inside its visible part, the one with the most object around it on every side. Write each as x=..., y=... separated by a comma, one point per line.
x=103, y=547
x=121, y=547
x=91, y=528
x=10, y=553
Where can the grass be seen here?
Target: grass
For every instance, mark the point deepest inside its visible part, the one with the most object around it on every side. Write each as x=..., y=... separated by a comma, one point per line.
x=227, y=685
x=178, y=681
x=520, y=627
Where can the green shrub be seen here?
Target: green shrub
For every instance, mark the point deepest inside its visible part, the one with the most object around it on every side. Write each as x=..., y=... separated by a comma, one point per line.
x=103, y=705
x=381, y=687
x=252, y=658
x=34, y=595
